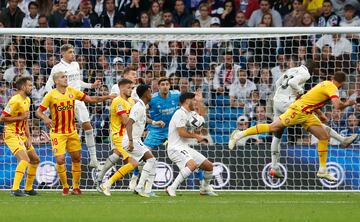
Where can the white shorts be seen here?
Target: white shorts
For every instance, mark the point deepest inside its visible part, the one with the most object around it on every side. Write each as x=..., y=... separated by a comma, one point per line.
x=182, y=155
x=139, y=149
x=81, y=112
x=280, y=106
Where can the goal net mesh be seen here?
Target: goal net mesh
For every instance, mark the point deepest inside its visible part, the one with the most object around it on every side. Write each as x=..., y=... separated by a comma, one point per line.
x=212, y=65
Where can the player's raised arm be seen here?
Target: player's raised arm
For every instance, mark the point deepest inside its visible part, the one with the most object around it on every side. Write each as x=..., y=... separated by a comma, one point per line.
x=97, y=99
x=338, y=80
x=50, y=82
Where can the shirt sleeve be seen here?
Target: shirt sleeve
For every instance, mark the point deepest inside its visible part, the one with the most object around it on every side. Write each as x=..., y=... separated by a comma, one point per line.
x=79, y=95
x=46, y=102
x=9, y=108
x=50, y=82
x=332, y=91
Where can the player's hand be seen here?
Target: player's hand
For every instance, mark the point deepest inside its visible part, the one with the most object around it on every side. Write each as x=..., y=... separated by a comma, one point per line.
x=160, y=124
x=201, y=139
x=48, y=123
x=323, y=118
x=28, y=143
x=96, y=84
x=131, y=146
x=25, y=115
x=111, y=96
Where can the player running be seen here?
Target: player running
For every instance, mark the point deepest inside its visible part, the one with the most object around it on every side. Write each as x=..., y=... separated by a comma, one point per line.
x=302, y=112
x=179, y=151
x=63, y=134
x=17, y=137
x=71, y=68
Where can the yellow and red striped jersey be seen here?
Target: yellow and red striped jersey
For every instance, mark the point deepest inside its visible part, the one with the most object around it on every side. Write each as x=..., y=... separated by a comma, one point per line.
x=62, y=108
x=316, y=97
x=16, y=106
x=118, y=107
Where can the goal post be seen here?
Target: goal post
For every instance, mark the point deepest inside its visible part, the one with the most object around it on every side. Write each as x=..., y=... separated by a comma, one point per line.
x=205, y=60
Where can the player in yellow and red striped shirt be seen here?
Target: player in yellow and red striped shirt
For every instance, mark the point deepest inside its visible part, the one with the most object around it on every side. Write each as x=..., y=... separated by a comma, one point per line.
x=17, y=136
x=63, y=133
x=302, y=111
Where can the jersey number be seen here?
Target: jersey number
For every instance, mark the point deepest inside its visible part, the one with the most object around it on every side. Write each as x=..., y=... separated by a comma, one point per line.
x=285, y=82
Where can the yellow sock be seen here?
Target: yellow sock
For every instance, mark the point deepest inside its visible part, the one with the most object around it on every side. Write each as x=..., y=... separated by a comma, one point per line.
x=76, y=174
x=61, y=169
x=258, y=129
x=31, y=173
x=121, y=172
x=19, y=173
x=323, y=151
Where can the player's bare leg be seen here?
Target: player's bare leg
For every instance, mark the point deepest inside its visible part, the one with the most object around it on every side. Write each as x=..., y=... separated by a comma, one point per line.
x=147, y=176
x=76, y=171
x=323, y=137
x=206, y=188
x=23, y=161
x=90, y=143
x=61, y=170
x=183, y=174
x=31, y=173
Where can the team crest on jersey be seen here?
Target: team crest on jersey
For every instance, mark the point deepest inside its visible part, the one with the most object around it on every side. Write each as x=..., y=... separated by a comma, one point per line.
x=55, y=150
x=287, y=120
x=119, y=107
x=71, y=96
x=8, y=109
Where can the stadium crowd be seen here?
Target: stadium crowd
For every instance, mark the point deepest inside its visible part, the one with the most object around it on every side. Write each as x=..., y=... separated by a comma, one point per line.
x=236, y=73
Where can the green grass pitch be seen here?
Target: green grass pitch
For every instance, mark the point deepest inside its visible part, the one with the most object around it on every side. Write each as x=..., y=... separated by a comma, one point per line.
x=187, y=206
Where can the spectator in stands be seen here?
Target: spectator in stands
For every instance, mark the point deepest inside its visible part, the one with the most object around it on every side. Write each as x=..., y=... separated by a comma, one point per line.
x=77, y=20
x=328, y=18
x=151, y=53
x=144, y=21
x=215, y=7
x=47, y=49
x=174, y=59
x=31, y=20
x=43, y=22
x=242, y=124
x=167, y=18
x=240, y=20
x=284, y=7
x=184, y=84
x=265, y=86
x=207, y=85
x=228, y=16
x=174, y=81
x=278, y=70
x=352, y=128
x=240, y=89
x=293, y=19
x=266, y=21
x=157, y=69
x=10, y=55
x=339, y=6
x=12, y=16
x=253, y=69
x=314, y=7
x=155, y=14
x=117, y=68
x=252, y=102
x=339, y=44
x=191, y=66
x=327, y=63
x=18, y=70
x=134, y=59
x=336, y=120
x=197, y=81
x=204, y=18
x=35, y=69
x=350, y=18
x=265, y=7
x=58, y=14
x=38, y=91
x=5, y=94
x=100, y=118
x=307, y=20
x=110, y=16
x=181, y=17
x=260, y=117
x=51, y=61
x=86, y=8
x=225, y=74
x=132, y=11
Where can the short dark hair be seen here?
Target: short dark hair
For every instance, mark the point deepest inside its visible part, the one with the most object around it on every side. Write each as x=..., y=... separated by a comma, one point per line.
x=33, y=3
x=141, y=89
x=349, y=7
x=21, y=81
x=339, y=77
x=163, y=79
x=124, y=82
x=186, y=95
x=328, y=1
x=310, y=65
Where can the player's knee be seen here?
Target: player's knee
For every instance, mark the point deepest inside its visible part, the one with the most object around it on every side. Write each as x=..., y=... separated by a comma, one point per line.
x=208, y=166
x=60, y=160
x=191, y=165
x=35, y=160
x=87, y=126
x=133, y=162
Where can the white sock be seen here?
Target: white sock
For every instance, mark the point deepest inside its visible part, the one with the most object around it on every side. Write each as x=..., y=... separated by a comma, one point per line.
x=275, y=151
x=90, y=143
x=110, y=161
x=183, y=174
x=150, y=181
x=148, y=173
x=207, y=178
x=334, y=134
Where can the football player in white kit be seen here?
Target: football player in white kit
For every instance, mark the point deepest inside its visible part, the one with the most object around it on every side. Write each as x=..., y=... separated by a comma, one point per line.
x=128, y=73
x=71, y=68
x=289, y=87
x=179, y=151
x=134, y=145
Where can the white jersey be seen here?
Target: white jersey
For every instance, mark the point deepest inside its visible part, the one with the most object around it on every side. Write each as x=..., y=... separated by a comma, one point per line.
x=291, y=84
x=138, y=114
x=116, y=90
x=72, y=70
x=178, y=120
